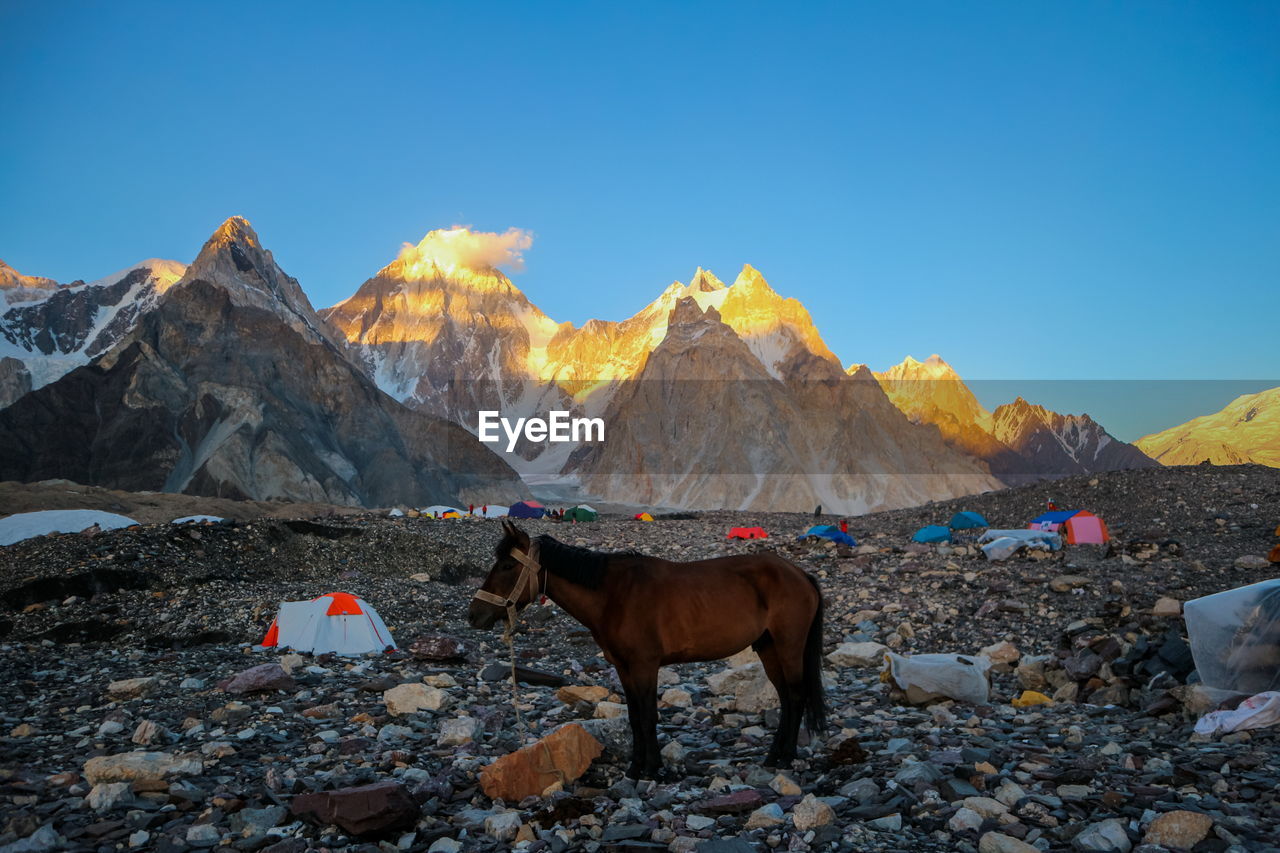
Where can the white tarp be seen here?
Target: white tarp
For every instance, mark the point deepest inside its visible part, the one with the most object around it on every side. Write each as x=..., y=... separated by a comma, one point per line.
x=927, y=677
x=28, y=525
x=1256, y=712
x=1003, y=544
x=309, y=626
x=1235, y=637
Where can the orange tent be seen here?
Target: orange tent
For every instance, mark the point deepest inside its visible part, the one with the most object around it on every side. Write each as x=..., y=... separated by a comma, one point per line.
x=747, y=533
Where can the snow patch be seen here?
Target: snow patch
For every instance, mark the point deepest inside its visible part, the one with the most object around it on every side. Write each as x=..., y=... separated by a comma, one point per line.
x=28, y=525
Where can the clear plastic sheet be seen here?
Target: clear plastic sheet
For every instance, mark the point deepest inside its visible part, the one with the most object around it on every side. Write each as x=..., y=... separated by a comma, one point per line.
x=925, y=678
x=1235, y=637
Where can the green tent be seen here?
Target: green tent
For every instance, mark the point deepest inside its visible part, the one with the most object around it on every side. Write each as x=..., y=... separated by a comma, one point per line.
x=581, y=512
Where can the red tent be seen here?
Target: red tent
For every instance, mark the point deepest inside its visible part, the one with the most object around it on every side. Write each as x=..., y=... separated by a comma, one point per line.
x=747, y=533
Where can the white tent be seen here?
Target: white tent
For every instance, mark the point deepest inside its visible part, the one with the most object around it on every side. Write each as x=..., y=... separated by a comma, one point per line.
x=335, y=622
x=493, y=511
x=441, y=509
x=197, y=519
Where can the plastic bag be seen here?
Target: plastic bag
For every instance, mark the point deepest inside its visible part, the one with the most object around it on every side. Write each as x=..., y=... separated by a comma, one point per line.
x=1235, y=638
x=925, y=678
x=1256, y=712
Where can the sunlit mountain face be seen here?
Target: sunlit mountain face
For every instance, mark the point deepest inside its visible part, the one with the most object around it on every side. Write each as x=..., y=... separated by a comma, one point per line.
x=1245, y=430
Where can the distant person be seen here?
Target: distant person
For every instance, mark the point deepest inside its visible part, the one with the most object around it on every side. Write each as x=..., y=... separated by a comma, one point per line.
x=484, y=511
x=817, y=511
x=844, y=525
x=471, y=509
x=1053, y=507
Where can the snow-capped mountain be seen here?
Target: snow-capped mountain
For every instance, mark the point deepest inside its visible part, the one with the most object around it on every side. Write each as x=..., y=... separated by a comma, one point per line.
x=1019, y=441
x=707, y=424
x=52, y=330
x=1245, y=430
x=16, y=287
x=229, y=384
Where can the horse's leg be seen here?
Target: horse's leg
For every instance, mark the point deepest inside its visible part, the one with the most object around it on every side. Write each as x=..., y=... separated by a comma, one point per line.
x=640, y=681
x=790, y=697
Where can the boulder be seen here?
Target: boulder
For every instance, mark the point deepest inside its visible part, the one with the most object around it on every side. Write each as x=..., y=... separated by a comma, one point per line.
x=858, y=654
x=259, y=679
x=750, y=687
x=811, y=813
x=139, y=767
x=1178, y=829
x=995, y=842
x=572, y=693
x=561, y=756
x=131, y=688
x=412, y=698
x=364, y=810
x=1107, y=836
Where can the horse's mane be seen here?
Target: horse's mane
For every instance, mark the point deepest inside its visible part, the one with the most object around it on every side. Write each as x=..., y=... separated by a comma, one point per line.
x=581, y=566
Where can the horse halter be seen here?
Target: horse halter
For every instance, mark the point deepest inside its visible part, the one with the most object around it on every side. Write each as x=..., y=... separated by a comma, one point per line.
x=529, y=569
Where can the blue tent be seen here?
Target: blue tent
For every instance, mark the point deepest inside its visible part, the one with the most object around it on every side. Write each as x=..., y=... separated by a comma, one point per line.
x=527, y=509
x=1052, y=520
x=932, y=534
x=829, y=531
x=967, y=521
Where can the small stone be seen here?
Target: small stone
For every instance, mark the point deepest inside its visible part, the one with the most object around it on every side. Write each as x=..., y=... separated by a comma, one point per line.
x=1001, y=653
x=138, y=766
x=995, y=842
x=1106, y=836
x=785, y=786
x=445, y=845
x=1166, y=608
x=986, y=806
x=1178, y=829
x=697, y=822
x=22, y=730
x=108, y=795
x=766, y=816
x=610, y=710
x=888, y=823
x=1252, y=561
x=203, y=835
x=573, y=693
x=964, y=819
x=811, y=813
x=410, y=698
x=674, y=697
x=458, y=731
x=858, y=654
x=363, y=810
x=131, y=688
x=259, y=679
x=503, y=826
x=1066, y=583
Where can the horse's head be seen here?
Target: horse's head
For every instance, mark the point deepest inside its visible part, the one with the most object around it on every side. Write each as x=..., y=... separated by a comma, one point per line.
x=504, y=578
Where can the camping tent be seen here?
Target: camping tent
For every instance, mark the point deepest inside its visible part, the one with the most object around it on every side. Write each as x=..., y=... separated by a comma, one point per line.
x=581, y=512
x=335, y=622
x=932, y=534
x=829, y=531
x=527, y=509
x=1082, y=527
x=747, y=533
x=967, y=521
x=440, y=509
x=492, y=511
x=643, y=516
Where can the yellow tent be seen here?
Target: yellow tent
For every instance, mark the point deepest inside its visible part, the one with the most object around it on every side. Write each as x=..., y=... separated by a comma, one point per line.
x=451, y=515
x=644, y=516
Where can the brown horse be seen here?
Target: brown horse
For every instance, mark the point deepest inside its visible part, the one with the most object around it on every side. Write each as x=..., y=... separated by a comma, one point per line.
x=645, y=612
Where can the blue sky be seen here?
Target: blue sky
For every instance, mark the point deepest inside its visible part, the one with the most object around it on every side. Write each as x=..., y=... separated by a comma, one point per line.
x=1051, y=191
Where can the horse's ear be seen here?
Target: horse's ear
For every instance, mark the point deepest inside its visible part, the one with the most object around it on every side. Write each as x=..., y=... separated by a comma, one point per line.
x=508, y=528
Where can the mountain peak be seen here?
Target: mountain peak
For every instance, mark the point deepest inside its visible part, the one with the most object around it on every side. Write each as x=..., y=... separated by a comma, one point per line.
x=704, y=281
x=751, y=279
x=463, y=256
x=23, y=287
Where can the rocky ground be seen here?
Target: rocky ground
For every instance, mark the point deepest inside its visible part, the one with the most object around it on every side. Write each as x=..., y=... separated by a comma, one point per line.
x=127, y=643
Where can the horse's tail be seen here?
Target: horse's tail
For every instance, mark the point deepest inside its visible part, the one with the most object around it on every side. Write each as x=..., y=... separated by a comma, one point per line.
x=815, y=700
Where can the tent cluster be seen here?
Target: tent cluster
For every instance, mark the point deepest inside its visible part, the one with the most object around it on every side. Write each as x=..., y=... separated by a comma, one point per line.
x=1082, y=527
x=1047, y=531
x=933, y=534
